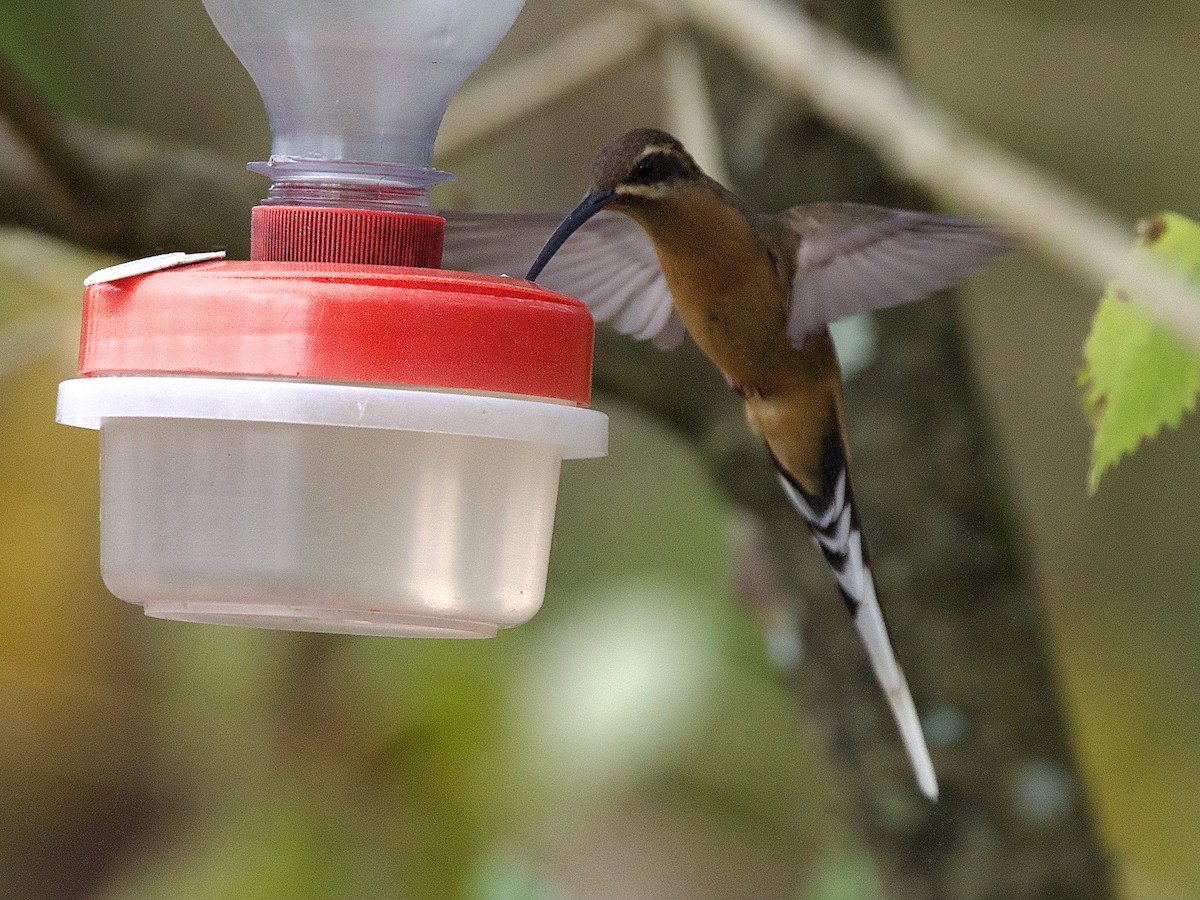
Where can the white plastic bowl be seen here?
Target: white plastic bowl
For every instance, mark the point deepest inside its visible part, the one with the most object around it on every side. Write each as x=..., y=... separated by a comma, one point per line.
x=327, y=507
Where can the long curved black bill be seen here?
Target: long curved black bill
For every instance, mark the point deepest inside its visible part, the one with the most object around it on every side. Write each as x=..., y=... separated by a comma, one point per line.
x=588, y=207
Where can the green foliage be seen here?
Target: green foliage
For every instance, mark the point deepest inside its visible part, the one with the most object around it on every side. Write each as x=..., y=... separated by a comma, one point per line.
x=1138, y=377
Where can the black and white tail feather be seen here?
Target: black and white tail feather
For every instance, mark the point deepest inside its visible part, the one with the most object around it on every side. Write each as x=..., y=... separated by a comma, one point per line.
x=833, y=521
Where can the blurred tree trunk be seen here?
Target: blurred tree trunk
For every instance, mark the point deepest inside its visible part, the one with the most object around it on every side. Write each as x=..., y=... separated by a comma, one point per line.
x=1013, y=820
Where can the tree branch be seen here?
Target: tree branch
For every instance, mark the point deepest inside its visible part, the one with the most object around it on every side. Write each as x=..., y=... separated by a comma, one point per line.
x=485, y=106
x=91, y=187
x=867, y=98
x=111, y=190
x=870, y=100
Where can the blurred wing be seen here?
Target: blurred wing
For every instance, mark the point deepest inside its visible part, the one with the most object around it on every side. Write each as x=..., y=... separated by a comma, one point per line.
x=854, y=258
x=609, y=264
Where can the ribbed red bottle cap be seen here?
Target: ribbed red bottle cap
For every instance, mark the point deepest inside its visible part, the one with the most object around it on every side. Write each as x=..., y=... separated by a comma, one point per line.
x=332, y=321
x=332, y=234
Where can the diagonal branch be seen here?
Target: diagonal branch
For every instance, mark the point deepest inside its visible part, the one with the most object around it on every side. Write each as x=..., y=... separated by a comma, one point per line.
x=867, y=98
x=42, y=130
x=485, y=106
x=89, y=183
x=112, y=190
x=870, y=100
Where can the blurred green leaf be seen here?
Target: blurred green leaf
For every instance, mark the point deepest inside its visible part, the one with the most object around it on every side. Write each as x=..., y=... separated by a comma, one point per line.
x=504, y=877
x=843, y=878
x=1138, y=377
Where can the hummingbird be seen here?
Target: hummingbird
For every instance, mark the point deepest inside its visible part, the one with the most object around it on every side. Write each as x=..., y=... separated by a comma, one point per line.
x=662, y=249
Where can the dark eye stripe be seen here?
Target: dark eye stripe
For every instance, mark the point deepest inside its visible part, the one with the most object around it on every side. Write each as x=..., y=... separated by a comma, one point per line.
x=655, y=168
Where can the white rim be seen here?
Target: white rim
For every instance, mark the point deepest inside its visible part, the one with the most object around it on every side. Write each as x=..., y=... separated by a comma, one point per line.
x=87, y=402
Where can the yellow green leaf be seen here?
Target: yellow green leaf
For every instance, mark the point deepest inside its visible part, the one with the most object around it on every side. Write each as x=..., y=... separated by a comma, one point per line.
x=1137, y=376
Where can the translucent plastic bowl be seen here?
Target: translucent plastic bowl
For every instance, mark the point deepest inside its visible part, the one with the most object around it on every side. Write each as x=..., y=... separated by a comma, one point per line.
x=327, y=507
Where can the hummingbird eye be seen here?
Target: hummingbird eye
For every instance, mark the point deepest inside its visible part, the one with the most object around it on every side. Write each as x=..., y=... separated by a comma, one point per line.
x=656, y=168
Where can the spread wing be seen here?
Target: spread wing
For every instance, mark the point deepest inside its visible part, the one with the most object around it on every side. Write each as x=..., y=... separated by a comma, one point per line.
x=854, y=258
x=609, y=264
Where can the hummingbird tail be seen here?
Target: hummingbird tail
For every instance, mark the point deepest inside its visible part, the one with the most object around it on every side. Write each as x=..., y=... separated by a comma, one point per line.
x=834, y=524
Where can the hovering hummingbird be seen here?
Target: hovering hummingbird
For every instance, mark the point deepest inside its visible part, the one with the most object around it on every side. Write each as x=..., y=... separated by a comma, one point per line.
x=756, y=293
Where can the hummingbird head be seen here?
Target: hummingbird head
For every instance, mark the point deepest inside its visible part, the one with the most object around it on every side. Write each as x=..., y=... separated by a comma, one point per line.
x=643, y=163
x=640, y=166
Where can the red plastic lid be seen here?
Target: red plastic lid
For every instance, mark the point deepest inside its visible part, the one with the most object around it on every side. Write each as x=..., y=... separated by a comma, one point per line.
x=340, y=322
x=334, y=234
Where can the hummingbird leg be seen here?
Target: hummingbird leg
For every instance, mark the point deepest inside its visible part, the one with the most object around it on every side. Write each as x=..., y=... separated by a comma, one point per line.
x=733, y=385
x=756, y=390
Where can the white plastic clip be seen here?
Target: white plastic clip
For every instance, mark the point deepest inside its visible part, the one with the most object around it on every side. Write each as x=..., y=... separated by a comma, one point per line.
x=150, y=264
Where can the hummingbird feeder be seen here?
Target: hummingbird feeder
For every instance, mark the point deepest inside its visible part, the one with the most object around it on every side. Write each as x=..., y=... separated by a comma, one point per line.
x=336, y=435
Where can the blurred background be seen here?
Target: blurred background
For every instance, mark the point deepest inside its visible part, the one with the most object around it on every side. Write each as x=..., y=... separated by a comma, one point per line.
x=632, y=741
